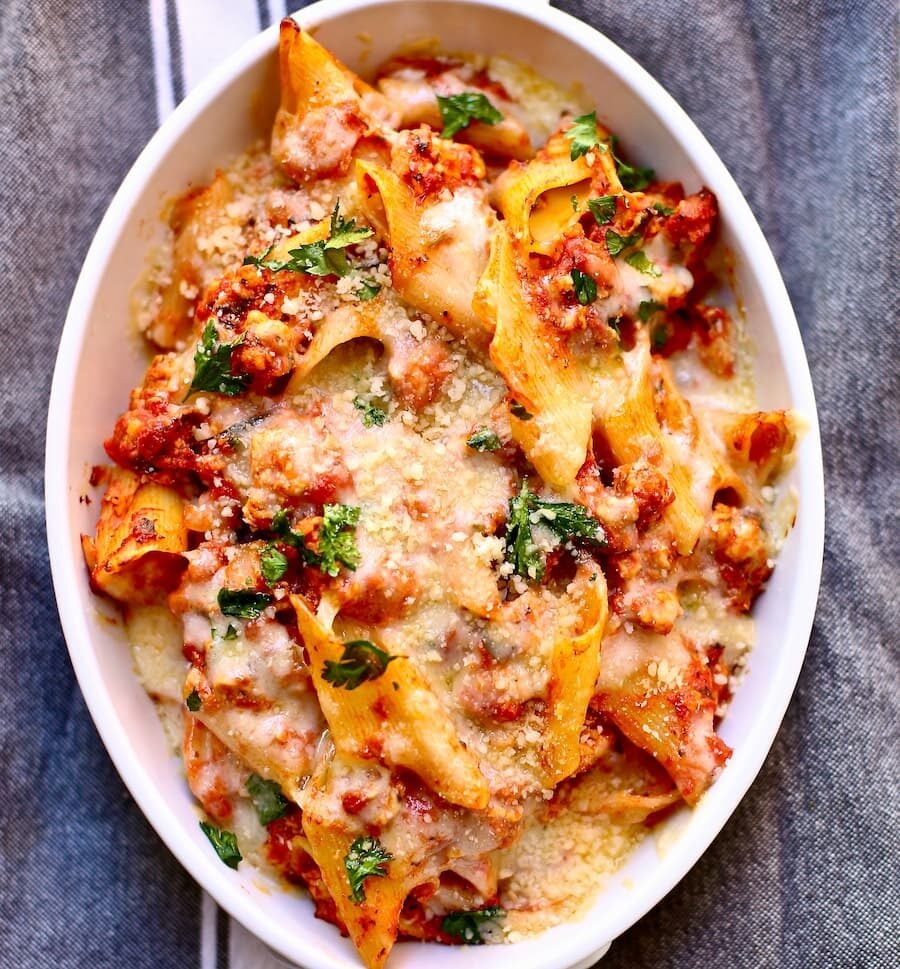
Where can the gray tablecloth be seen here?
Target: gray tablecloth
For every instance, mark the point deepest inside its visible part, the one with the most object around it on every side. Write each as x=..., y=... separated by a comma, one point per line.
x=799, y=99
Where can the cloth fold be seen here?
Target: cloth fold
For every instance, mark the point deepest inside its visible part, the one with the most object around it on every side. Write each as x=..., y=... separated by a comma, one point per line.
x=799, y=99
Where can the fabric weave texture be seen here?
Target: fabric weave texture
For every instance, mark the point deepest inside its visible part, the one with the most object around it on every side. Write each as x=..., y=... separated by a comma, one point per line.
x=800, y=101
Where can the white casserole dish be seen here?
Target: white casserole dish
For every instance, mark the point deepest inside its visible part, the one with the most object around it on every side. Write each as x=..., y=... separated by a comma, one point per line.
x=100, y=360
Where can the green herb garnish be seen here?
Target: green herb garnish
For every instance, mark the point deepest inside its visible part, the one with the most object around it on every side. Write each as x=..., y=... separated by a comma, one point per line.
x=615, y=243
x=484, y=440
x=372, y=414
x=638, y=260
x=193, y=702
x=267, y=798
x=565, y=520
x=361, y=661
x=659, y=337
x=326, y=257
x=466, y=925
x=661, y=209
x=585, y=287
x=366, y=858
x=647, y=308
x=273, y=563
x=337, y=543
x=584, y=135
x=230, y=632
x=212, y=366
x=603, y=208
x=458, y=111
x=520, y=411
x=368, y=289
x=243, y=603
x=633, y=177
x=224, y=842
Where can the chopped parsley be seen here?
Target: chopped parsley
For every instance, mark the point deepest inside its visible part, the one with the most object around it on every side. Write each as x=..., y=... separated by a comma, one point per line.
x=273, y=563
x=565, y=520
x=325, y=257
x=574, y=201
x=659, y=337
x=368, y=289
x=615, y=243
x=484, y=440
x=366, y=858
x=638, y=260
x=372, y=414
x=633, y=177
x=584, y=135
x=520, y=411
x=585, y=287
x=647, y=308
x=458, y=111
x=243, y=603
x=466, y=925
x=212, y=366
x=603, y=208
x=230, y=633
x=282, y=528
x=267, y=798
x=225, y=843
x=337, y=543
x=193, y=701
x=661, y=209
x=360, y=661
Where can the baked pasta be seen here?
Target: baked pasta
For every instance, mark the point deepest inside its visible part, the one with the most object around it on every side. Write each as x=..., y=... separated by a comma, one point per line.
x=439, y=514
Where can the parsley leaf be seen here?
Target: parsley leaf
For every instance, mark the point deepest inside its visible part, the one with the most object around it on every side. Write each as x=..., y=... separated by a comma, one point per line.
x=603, y=208
x=360, y=661
x=230, y=633
x=647, y=308
x=484, y=440
x=568, y=521
x=584, y=135
x=368, y=289
x=282, y=528
x=521, y=551
x=225, y=843
x=243, y=603
x=659, y=337
x=267, y=798
x=337, y=543
x=366, y=858
x=616, y=243
x=212, y=366
x=565, y=520
x=573, y=199
x=373, y=415
x=466, y=925
x=638, y=260
x=520, y=411
x=458, y=111
x=633, y=177
x=193, y=701
x=325, y=257
x=585, y=287
x=273, y=564
x=345, y=232
x=661, y=209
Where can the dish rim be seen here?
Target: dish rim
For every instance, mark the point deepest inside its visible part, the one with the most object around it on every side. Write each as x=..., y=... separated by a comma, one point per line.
x=578, y=946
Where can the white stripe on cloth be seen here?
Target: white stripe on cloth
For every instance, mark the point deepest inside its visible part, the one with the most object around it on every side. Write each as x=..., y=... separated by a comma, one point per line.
x=208, y=31
x=162, y=60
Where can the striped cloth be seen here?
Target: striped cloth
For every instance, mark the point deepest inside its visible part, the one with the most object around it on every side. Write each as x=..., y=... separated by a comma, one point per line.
x=799, y=98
